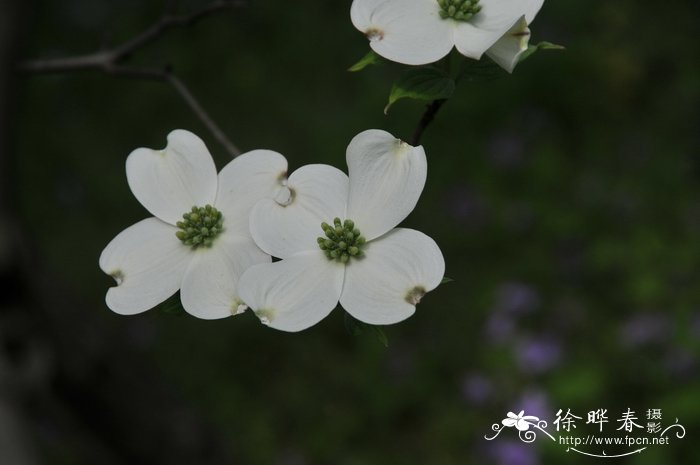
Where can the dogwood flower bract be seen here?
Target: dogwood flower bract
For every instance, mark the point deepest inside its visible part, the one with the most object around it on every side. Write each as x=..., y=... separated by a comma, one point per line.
x=418, y=32
x=337, y=240
x=198, y=240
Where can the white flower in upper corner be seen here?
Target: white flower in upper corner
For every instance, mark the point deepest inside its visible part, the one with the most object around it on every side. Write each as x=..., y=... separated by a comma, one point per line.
x=418, y=32
x=198, y=240
x=337, y=240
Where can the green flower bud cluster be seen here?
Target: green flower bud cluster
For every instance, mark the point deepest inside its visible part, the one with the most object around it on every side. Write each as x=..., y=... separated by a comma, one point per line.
x=461, y=10
x=342, y=241
x=200, y=227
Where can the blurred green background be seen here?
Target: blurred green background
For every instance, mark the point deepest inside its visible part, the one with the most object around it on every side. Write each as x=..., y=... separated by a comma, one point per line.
x=565, y=198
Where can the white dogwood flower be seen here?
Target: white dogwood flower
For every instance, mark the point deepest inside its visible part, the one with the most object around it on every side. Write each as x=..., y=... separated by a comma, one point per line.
x=337, y=240
x=198, y=240
x=418, y=32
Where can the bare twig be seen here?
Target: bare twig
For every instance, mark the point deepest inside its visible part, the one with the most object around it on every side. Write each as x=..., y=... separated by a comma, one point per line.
x=430, y=111
x=110, y=62
x=202, y=115
x=117, y=54
x=166, y=75
x=168, y=22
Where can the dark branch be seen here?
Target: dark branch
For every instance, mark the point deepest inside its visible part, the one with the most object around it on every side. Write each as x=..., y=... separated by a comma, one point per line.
x=168, y=22
x=203, y=116
x=430, y=111
x=117, y=54
x=110, y=62
x=166, y=75
x=68, y=64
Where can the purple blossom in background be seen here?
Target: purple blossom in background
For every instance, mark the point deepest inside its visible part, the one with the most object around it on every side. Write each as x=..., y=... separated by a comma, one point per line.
x=516, y=298
x=695, y=326
x=645, y=329
x=511, y=452
x=537, y=355
x=536, y=403
x=680, y=363
x=500, y=328
x=400, y=363
x=467, y=207
x=507, y=150
x=512, y=300
x=476, y=388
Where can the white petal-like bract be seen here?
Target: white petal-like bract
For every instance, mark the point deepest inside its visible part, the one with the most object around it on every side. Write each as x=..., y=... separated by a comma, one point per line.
x=149, y=259
x=473, y=42
x=210, y=284
x=387, y=177
x=413, y=32
x=406, y=31
x=399, y=268
x=378, y=280
x=506, y=52
x=295, y=293
x=532, y=7
x=318, y=193
x=243, y=182
x=361, y=13
x=148, y=262
x=475, y=37
x=499, y=14
x=171, y=181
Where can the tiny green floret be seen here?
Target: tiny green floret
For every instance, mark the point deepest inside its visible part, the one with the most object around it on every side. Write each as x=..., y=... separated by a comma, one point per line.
x=200, y=226
x=342, y=241
x=460, y=10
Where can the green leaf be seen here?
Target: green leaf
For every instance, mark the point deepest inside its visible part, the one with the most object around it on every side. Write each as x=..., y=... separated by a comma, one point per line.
x=483, y=70
x=356, y=328
x=531, y=49
x=353, y=326
x=421, y=84
x=446, y=280
x=171, y=307
x=370, y=59
x=381, y=335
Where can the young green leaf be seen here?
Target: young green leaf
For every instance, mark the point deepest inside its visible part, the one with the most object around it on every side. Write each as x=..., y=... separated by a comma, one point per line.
x=353, y=326
x=381, y=335
x=532, y=48
x=357, y=327
x=446, y=280
x=171, y=307
x=421, y=84
x=370, y=59
x=479, y=71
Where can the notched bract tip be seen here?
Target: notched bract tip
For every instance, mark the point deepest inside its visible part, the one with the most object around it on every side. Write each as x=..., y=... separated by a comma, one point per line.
x=284, y=195
x=374, y=34
x=414, y=295
x=266, y=316
x=118, y=276
x=238, y=307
